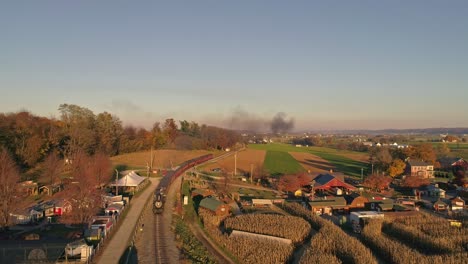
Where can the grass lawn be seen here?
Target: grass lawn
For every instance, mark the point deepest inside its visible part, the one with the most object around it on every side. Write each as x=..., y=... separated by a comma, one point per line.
x=279, y=163
x=336, y=157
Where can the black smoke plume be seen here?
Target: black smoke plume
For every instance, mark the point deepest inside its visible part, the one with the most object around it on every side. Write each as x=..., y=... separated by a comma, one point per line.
x=279, y=123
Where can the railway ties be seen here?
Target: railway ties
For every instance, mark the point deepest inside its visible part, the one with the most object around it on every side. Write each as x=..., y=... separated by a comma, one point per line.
x=160, y=246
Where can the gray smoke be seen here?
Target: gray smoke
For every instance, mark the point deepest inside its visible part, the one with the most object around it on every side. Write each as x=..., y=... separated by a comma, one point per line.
x=243, y=120
x=240, y=119
x=279, y=123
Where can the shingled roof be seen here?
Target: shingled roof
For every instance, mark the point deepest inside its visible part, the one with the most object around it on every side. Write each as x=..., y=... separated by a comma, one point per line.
x=210, y=203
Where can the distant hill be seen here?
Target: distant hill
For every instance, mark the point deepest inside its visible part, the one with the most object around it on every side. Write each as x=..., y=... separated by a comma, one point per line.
x=428, y=131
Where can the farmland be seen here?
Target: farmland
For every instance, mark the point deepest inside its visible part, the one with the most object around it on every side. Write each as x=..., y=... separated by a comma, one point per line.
x=312, y=163
x=161, y=158
x=246, y=160
x=339, y=159
x=279, y=163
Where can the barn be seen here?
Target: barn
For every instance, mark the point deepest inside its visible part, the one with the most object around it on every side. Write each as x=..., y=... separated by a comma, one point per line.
x=215, y=206
x=328, y=182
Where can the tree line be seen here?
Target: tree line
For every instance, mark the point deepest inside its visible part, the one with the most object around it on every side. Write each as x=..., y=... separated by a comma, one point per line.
x=30, y=139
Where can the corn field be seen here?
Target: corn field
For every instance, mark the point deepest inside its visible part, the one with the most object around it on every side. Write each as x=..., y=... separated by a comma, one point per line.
x=289, y=227
x=396, y=252
x=247, y=249
x=330, y=241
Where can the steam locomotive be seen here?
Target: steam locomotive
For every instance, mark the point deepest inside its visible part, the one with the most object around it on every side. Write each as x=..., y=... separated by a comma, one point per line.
x=158, y=203
x=159, y=196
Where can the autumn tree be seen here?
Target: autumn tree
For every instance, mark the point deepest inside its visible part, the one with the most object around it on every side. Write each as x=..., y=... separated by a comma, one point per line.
x=397, y=167
x=101, y=168
x=292, y=183
x=415, y=182
x=381, y=158
x=377, y=182
x=158, y=137
x=9, y=177
x=443, y=150
x=109, y=132
x=170, y=129
x=84, y=195
x=425, y=152
x=52, y=168
x=79, y=124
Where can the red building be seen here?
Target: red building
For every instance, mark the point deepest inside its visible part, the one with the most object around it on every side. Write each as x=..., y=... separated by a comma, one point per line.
x=328, y=182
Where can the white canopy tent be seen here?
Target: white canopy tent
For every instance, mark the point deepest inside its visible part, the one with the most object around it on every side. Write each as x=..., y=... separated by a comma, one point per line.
x=130, y=180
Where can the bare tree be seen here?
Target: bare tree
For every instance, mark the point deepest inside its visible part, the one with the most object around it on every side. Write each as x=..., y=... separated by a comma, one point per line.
x=83, y=192
x=53, y=167
x=9, y=177
x=101, y=166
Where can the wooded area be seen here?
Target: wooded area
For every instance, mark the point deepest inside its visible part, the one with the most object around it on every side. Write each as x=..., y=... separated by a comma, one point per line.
x=30, y=139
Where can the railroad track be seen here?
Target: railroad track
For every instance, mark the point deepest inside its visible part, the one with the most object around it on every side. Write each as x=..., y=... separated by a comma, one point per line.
x=160, y=238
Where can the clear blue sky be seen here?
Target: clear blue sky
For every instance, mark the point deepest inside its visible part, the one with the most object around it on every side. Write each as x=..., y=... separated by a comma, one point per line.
x=328, y=64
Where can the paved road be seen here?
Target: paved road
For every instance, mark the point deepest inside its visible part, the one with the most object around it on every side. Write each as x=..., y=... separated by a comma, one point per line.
x=119, y=242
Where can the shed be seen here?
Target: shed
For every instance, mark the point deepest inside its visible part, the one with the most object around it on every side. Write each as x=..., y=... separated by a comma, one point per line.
x=327, y=205
x=380, y=205
x=215, y=206
x=262, y=202
x=457, y=204
x=356, y=200
x=440, y=206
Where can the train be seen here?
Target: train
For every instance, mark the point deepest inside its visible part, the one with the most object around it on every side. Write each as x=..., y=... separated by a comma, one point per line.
x=159, y=195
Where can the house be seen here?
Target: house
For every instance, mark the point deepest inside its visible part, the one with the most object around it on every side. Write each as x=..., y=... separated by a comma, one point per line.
x=28, y=188
x=327, y=182
x=50, y=189
x=326, y=205
x=457, y=204
x=420, y=169
x=440, y=206
x=215, y=206
x=435, y=191
x=62, y=206
x=26, y=216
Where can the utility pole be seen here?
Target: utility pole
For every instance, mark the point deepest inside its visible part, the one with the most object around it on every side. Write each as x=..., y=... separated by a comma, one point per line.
x=372, y=168
x=362, y=171
x=235, y=163
x=151, y=161
x=116, y=179
x=251, y=173
x=147, y=170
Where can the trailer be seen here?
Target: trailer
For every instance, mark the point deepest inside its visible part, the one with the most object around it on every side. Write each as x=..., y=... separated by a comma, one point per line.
x=359, y=219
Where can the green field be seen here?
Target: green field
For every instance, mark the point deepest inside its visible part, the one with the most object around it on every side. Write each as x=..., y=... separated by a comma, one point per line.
x=336, y=157
x=279, y=163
